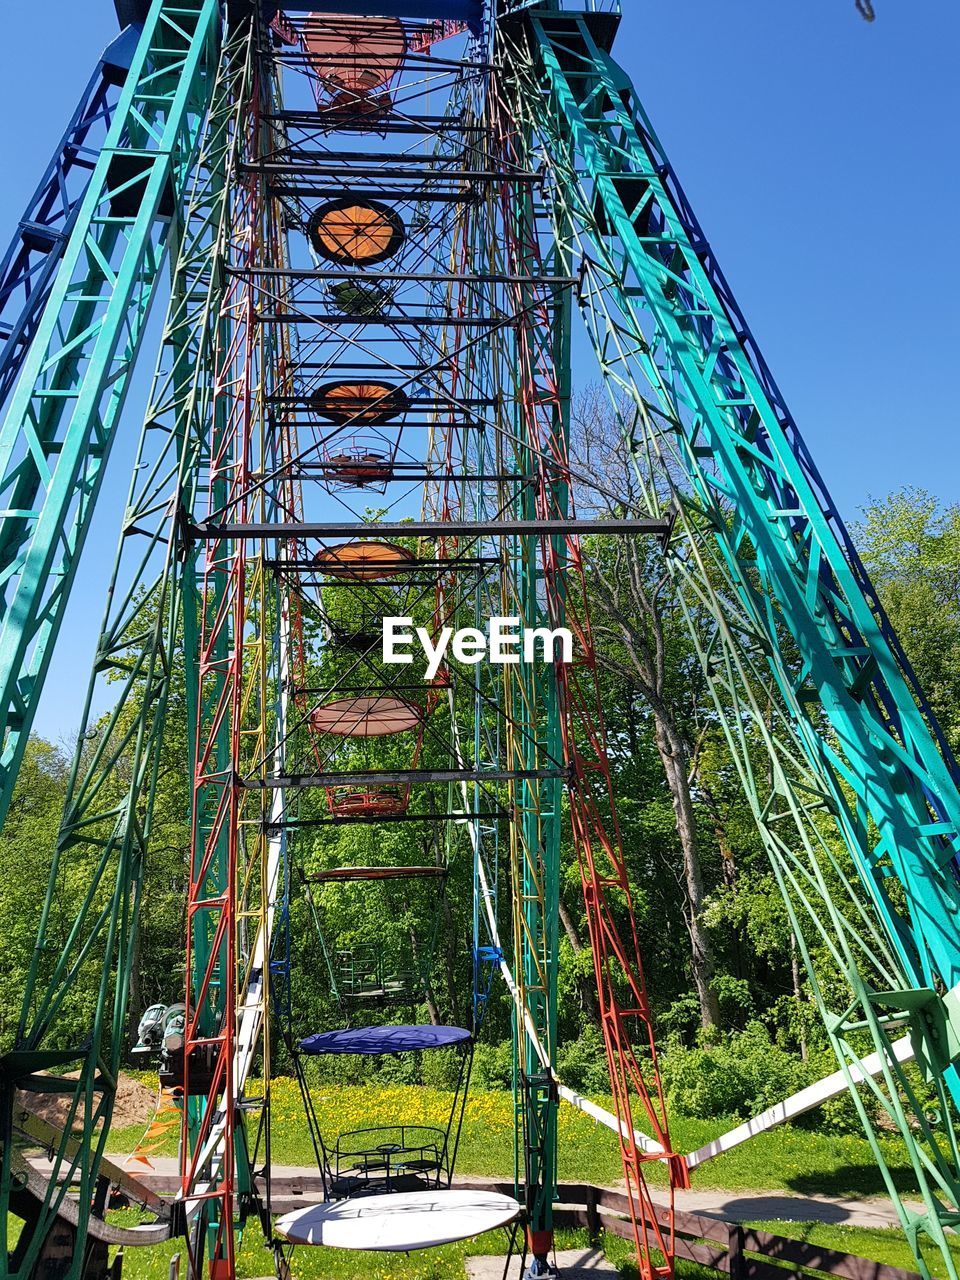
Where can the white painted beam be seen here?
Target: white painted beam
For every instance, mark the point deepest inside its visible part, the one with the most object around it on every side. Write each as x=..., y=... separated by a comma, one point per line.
x=813, y=1096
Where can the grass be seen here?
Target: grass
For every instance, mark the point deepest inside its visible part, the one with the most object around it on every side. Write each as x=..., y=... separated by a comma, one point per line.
x=889, y=1247
x=788, y=1159
x=447, y=1262
x=444, y=1263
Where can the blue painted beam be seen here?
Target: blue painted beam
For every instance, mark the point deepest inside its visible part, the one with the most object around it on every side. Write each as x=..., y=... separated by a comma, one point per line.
x=452, y=10
x=469, y=11
x=62, y=414
x=30, y=263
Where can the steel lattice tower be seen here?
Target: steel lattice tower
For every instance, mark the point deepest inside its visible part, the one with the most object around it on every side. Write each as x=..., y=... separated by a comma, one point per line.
x=377, y=222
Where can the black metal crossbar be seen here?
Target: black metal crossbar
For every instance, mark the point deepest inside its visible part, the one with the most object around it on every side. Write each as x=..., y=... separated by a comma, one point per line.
x=434, y=529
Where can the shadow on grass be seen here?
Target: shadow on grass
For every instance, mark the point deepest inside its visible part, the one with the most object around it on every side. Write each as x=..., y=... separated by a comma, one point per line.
x=788, y=1207
x=854, y=1179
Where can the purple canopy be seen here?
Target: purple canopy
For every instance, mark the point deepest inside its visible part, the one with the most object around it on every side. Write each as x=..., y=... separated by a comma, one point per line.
x=384, y=1039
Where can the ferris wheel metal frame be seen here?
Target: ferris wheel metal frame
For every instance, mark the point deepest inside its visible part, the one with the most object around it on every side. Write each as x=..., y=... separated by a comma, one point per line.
x=546, y=191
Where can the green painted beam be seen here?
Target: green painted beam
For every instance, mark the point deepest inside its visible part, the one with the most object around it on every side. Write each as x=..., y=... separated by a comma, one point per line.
x=62, y=419
x=106, y=829
x=856, y=805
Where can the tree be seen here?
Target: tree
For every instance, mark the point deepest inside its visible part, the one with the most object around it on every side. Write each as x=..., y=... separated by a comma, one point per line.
x=27, y=843
x=910, y=544
x=640, y=640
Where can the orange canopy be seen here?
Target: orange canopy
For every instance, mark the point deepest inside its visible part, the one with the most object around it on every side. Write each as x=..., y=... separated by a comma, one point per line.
x=369, y=404
x=354, y=52
x=364, y=561
x=366, y=717
x=356, y=232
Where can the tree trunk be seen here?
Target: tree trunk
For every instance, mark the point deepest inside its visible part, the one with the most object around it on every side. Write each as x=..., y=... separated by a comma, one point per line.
x=135, y=1007
x=673, y=757
x=432, y=1008
x=588, y=995
x=728, y=862
x=570, y=929
x=453, y=956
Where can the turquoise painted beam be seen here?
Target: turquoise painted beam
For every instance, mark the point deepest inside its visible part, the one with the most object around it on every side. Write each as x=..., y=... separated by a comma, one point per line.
x=842, y=765
x=857, y=714
x=63, y=415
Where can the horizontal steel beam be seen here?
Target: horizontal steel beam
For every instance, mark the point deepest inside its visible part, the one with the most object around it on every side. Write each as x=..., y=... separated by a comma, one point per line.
x=396, y=366
x=394, y=318
x=415, y=277
x=416, y=471
x=397, y=777
x=294, y=824
x=410, y=568
x=287, y=154
x=433, y=529
x=311, y=122
x=414, y=193
x=321, y=690
x=307, y=168
x=335, y=874
x=466, y=10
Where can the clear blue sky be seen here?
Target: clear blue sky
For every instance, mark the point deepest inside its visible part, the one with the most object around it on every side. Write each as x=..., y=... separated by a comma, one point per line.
x=820, y=154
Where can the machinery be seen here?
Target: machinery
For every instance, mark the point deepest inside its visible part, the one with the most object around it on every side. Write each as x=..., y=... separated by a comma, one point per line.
x=373, y=224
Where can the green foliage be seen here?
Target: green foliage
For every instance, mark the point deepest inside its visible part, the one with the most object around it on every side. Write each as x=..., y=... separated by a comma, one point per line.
x=582, y=1064
x=493, y=1066
x=755, y=907
x=26, y=847
x=681, y=1018
x=912, y=548
x=741, y=1075
x=910, y=544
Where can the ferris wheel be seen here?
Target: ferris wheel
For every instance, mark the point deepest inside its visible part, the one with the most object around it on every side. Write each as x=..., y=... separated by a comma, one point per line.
x=351, y=562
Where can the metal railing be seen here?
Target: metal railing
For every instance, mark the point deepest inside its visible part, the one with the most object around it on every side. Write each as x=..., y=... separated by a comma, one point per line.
x=563, y=6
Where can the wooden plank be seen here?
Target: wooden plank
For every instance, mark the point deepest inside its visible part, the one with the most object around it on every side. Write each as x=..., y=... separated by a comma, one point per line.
x=688, y=1224
x=290, y=1204
x=501, y=1186
x=817, y=1258
x=706, y=1254
x=735, y=1256
x=34, y=1126
x=68, y=1210
x=757, y=1269
x=572, y=1218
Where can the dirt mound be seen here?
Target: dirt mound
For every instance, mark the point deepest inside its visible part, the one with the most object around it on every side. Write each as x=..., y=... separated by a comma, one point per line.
x=134, y=1104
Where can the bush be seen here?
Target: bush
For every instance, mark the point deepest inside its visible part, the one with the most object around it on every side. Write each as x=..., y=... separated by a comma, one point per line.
x=739, y=1076
x=681, y=1018
x=440, y=1069
x=742, y=1075
x=493, y=1066
x=582, y=1064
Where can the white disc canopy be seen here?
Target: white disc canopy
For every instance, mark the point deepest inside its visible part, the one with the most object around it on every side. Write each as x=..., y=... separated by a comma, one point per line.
x=399, y=1222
